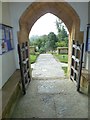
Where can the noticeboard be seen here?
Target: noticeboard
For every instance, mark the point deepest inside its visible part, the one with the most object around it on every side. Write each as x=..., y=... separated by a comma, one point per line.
x=6, y=38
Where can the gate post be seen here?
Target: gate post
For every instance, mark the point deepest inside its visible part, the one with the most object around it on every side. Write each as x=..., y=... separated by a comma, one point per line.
x=23, y=34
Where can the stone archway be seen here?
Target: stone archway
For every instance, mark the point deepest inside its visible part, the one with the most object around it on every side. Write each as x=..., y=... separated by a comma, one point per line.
x=62, y=10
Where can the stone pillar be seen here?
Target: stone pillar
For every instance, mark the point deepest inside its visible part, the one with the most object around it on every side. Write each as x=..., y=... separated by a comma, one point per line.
x=23, y=34
x=69, y=53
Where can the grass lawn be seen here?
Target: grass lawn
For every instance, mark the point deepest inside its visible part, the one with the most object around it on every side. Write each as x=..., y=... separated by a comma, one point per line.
x=33, y=58
x=62, y=57
x=65, y=70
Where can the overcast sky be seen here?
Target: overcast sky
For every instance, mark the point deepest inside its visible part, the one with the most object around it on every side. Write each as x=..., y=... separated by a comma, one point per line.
x=44, y=25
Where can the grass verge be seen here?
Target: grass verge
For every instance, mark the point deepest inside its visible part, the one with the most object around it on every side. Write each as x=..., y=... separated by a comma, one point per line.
x=62, y=57
x=33, y=58
x=65, y=70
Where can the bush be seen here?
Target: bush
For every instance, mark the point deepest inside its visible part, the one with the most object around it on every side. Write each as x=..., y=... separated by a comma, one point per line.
x=61, y=44
x=42, y=50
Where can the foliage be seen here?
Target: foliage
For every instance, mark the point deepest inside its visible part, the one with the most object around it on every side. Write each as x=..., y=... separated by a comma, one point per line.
x=59, y=25
x=45, y=42
x=51, y=41
x=33, y=58
x=62, y=34
x=41, y=50
x=61, y=44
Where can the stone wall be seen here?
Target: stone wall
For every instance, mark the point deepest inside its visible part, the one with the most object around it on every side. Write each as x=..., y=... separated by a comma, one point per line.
x=62, y=50
x=32, y=49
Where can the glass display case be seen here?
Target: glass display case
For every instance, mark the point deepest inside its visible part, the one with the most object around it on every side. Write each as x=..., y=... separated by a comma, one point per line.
x=6, y=38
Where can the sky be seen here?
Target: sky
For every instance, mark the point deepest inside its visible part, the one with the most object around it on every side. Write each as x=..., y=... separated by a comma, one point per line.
x=44, y=25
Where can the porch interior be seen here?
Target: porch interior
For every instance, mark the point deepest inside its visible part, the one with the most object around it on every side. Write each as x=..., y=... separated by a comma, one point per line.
x=11, y=93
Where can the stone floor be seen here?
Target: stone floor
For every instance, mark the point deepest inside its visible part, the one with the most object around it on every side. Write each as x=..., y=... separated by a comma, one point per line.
x=50, y=97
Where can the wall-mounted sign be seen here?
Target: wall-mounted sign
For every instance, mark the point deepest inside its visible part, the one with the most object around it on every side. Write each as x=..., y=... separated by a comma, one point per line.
x=6, y=38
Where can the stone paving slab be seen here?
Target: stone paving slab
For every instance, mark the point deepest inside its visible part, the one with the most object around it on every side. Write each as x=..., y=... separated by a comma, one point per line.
x=44, y=101
x=47, y=67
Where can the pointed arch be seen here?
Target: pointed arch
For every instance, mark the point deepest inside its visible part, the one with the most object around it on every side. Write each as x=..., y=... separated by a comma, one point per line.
x=60, y=9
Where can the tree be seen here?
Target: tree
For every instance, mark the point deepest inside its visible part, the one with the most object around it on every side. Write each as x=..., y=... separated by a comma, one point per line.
x=52, y=39
x=59, y=25
x=62, y=34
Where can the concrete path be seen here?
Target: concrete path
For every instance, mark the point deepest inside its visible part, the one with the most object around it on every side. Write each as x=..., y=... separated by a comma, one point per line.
x=52, y=97
x=46, y=67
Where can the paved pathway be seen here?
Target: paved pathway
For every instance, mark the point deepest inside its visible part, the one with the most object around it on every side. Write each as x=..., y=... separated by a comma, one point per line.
x=49, y=97
x=47, y=67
